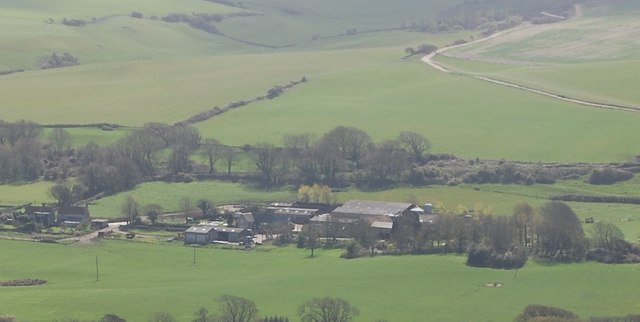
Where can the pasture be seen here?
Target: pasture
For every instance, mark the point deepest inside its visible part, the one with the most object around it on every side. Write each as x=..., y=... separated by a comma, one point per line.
x=170, y=196
x=591, y=56
x=389, y=97
x=136, y=280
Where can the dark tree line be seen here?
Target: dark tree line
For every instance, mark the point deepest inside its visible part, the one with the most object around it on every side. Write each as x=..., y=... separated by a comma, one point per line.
x=552, y=233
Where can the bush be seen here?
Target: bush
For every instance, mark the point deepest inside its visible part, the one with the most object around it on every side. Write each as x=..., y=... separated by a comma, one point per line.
x=137, y=14
x=74, y=22
x=56, y=60
x=534, y=312
x=481, y=256
x=628, y=318
x=352, y=251
x=609, y=176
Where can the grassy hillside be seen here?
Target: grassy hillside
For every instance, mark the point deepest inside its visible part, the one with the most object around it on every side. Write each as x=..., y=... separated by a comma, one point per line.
x=592, y=56
x=389, y=97
x=137, y=280
x=111, y=34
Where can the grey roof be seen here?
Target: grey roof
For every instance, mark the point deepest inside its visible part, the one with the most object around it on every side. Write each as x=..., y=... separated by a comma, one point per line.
x=382, y=224
x=427, y=218
x=373, y=208
x=201, y=229
x=228, y=229
x=248, y=217
x=327, y=218
x=73, y=211
x=291, y=211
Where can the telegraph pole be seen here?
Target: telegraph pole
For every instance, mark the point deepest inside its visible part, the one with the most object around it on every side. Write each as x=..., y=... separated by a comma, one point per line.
x=97, y=272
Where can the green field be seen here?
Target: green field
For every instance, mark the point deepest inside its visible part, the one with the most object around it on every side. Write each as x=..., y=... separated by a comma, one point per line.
x=389, y=97
x=591, y=57
x=170, y=195
x=20, y=194
x=138, y=279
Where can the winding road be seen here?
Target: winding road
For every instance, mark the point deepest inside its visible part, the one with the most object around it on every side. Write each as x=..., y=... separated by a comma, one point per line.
x=428, y=59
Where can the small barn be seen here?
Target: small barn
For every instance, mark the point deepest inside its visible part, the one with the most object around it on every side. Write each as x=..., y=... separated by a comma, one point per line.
x=97, y=224
x=73, y=215
x=202, y=235
x=232, y=235
x=356, y=209
x=244, y=220
x=41, y=215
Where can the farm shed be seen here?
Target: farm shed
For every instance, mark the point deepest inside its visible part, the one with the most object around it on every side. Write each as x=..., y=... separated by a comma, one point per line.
x=99, y=223
x=73, y=215
x=41, y=214
x=232, y=235
x=356, y=209
x=204, y=234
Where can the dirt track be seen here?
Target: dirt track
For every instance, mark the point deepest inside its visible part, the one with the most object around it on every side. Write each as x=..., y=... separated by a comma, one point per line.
x=428, y=59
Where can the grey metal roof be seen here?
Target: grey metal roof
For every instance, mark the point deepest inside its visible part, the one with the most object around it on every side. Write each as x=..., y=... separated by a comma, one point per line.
x=382, y=224
x=200, y=229
x=291, y=211
x=373, y=208
x=247, y=216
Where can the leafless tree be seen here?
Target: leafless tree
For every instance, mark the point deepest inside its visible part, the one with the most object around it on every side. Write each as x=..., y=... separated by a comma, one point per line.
x=327, y=310
x=415, y=143
x=211, y=150
x=236, y=309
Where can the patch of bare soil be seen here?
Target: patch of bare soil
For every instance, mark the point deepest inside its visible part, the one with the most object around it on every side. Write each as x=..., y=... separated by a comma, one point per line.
x=23, y=282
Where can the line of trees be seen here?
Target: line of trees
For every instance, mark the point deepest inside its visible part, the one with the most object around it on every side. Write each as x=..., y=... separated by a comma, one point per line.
x=341, y=157
x=551, y=233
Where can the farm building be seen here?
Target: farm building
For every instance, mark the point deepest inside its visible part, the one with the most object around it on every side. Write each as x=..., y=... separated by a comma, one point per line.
x=41, y=214
x=206, y=234
x=99, y=224
x=232, y=235
x=244, y=220
x=379, y=215
x=72, y=216
x=356, y=209
x=292, y=214
x=200, y=234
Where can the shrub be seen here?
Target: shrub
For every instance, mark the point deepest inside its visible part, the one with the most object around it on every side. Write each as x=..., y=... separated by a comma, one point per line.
x=534, y=312
x=74, y=22
x=609, y=176
x=56, y=60
x=480, y=255
x=352, y=251
x=628, y=318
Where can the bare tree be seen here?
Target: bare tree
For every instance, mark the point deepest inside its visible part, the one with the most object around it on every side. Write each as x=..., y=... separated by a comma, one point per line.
x=131, y=210
x=162, y=317
x=202, y=315
x=211, y=150
x=266, y=157
x=605, y=235
x=351, y=142
x=60, y=140
x=415, y=143
x=205, y=206
x=153, y=211
x=327, y=310
x=561, y=236
x=236, y=309
x=228, y=155
x=67, y=194
x=523, y=215
x=186, y=206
